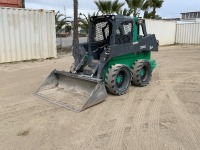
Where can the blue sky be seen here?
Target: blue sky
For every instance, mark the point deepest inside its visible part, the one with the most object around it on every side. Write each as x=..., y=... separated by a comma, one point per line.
x=170, y=8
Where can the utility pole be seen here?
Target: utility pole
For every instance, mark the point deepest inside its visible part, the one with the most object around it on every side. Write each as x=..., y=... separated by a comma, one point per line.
x=75, y=25
x=65, y=12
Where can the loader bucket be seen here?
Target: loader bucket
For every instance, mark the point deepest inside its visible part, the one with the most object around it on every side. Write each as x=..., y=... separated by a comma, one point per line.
x=72, y=91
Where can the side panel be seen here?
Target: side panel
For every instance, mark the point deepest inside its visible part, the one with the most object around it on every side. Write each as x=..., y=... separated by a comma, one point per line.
x=135, y=30
x=129, y=60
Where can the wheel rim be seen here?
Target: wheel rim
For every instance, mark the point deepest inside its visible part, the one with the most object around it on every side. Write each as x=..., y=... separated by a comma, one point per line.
x=143, y=73
x=120, y=79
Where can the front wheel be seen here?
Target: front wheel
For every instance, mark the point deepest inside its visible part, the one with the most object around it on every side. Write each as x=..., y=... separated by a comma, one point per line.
x=118, y=79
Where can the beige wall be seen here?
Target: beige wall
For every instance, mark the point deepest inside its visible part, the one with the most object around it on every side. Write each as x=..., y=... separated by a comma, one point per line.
x=164, y=30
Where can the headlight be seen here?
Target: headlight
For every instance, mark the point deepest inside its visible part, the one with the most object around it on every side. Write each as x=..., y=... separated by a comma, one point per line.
x=113, y=17
x=140, y=21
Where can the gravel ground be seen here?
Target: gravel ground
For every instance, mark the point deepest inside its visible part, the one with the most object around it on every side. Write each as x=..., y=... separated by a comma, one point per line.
x=165, y=115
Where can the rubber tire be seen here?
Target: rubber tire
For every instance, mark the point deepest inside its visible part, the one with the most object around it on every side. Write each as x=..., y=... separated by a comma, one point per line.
x=136, y=77
x=110, y=80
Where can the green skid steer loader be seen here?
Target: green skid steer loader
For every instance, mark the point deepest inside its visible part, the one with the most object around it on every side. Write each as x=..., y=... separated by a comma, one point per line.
x=117, y=54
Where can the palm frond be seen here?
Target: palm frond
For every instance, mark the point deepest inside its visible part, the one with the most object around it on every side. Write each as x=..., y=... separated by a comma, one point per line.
x=108, y=6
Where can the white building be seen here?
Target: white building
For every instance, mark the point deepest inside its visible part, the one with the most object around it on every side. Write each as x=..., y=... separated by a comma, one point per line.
x=191, y=16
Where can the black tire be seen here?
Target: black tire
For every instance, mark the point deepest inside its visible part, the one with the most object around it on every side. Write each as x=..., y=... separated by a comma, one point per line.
x=118, y=79
x=141, y=73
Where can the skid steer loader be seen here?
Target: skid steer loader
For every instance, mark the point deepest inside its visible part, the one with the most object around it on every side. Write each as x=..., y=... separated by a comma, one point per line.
x=117, y=54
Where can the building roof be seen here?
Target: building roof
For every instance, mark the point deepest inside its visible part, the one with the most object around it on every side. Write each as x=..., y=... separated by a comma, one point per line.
x=172, y=19
x=191, y=12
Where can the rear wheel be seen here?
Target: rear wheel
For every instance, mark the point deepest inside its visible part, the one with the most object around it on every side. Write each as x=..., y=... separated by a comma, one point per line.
x=141, y=73
x=118, y=79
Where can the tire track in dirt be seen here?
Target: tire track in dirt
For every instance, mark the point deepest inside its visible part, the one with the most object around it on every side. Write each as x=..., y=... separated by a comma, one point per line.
x=170, y=85
x=25, y=112
x=15, y=90
x=24, y=106
x=153, y=123
x=191, y=127
x=188, y=126
x=123, y=120
x=88, y=136
x=117, y=133
x=136, y=128
x=17, y=101
x=139, y=98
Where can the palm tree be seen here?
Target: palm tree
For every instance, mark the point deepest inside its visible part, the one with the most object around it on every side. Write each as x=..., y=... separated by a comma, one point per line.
x=85, y=21
x=108, y=6
x=137, y=6
x=153, y=4
x=75, y=26
x=126, y=12
x=60, y=21
x=147, y=14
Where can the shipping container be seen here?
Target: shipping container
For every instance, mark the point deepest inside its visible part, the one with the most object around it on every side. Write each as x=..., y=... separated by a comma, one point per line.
x=26, y=34
x=12, y=3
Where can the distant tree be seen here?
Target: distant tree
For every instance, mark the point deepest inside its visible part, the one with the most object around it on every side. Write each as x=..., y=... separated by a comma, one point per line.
x=158, y=17
x=126, y=12
x=136, y=6
x=153, y=4
x=75, y=24
x=62, y=24
x=147, y=14
x=84, y=21
x=109, y=6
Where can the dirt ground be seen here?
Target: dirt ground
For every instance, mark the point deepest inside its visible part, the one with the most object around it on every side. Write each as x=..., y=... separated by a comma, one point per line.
x=165, y=115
